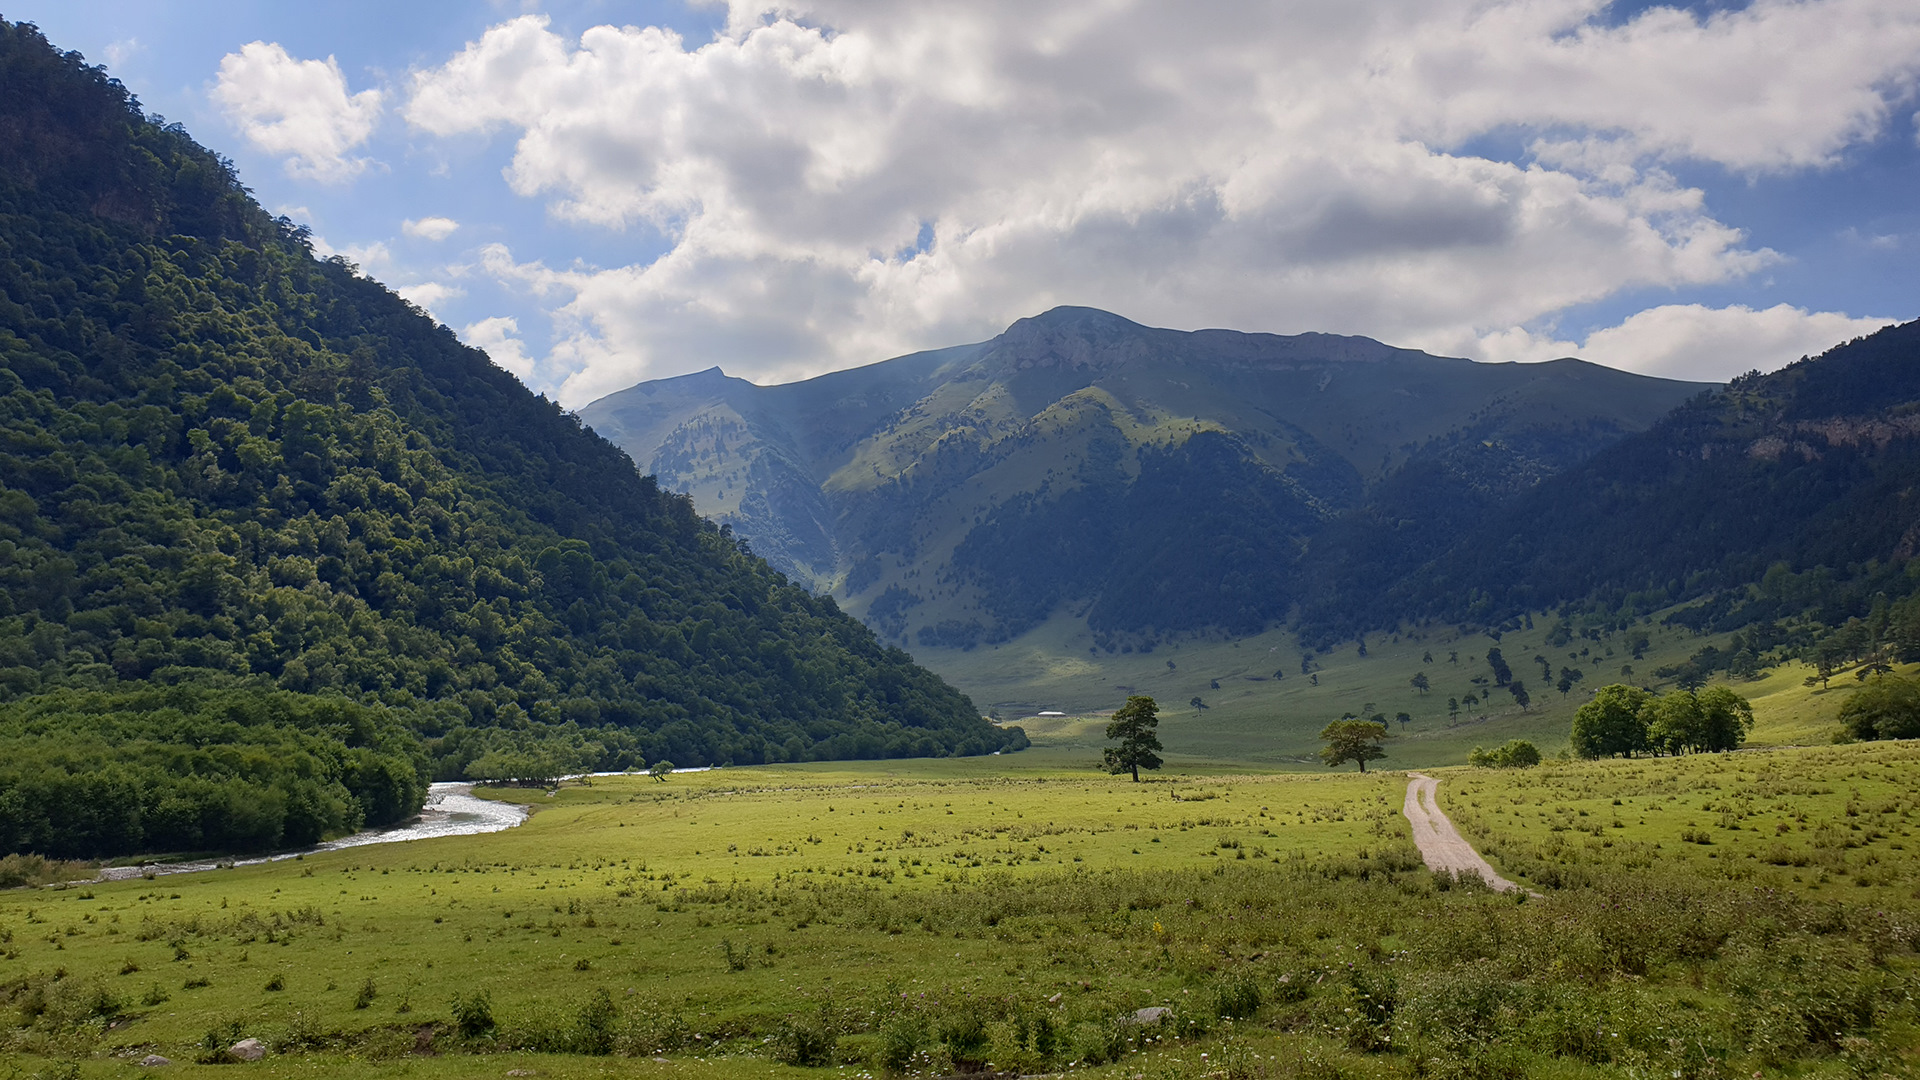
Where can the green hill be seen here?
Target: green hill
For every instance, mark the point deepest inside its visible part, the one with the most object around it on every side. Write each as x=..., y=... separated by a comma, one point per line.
x=229, y=467
x=1784, y=505
x=1148, y=482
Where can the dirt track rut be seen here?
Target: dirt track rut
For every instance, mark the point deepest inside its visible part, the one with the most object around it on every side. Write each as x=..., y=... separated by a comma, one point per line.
x=1440, y=844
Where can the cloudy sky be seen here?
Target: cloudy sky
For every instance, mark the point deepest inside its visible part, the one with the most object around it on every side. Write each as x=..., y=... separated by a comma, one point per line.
x=600, y=192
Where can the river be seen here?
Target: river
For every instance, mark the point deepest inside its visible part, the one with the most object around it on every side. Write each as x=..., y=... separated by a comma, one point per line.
x=451, y=810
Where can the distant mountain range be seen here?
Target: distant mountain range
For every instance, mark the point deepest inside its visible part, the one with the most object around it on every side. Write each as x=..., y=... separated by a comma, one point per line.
x=1148, y=481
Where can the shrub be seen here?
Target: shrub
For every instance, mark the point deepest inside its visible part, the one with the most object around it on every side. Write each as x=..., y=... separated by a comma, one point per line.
x=1236, y=996
x=900, y=1039
x=964, y=1034
x=807, y=1041
x=473, y=1014
x=1516, y=754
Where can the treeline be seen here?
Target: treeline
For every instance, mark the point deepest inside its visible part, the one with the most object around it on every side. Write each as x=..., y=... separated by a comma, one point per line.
x=85, y=774
x=224, y=462
x=1623, y=720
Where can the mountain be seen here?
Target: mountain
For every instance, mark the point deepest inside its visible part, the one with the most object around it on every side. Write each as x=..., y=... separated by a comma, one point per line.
x=1779, y=496
x=234, y=478
x=1149, y=481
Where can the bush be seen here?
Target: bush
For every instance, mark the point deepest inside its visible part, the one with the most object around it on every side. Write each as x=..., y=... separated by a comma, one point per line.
x=1236, y=996
x=900, y=1040
x=964, y=1034
x=1516, y=754
x=473, y=1014
x=807, y=1041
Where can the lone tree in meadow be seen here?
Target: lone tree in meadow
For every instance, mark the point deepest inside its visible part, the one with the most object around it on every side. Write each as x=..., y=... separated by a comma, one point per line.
x=661, y=770
x=1133, y=725
x=1352, y=740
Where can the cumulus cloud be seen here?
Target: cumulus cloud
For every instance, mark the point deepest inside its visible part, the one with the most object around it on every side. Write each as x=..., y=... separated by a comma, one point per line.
x=430, y=228
x=1691, y=341
x=370, y=257
x=299, y=109
x=429, y=295
x=839, y=181
x=499, y=338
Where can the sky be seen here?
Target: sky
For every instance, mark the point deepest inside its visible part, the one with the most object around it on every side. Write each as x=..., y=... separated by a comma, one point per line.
x=599, y=192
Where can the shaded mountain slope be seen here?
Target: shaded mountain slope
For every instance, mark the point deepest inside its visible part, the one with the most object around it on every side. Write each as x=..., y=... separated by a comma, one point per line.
x=1151, y=481
x=1816, y=465
x=228, y=464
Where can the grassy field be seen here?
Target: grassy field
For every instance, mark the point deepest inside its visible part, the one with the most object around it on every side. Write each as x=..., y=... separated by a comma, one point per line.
x=1818, y=821
x=1011, y=913
x=1256, y=719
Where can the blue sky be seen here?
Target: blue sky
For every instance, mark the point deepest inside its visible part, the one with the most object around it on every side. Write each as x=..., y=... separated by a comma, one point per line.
x=602, y=192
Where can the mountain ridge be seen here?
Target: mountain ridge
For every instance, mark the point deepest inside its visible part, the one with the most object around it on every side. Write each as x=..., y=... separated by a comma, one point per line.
x=950, y=463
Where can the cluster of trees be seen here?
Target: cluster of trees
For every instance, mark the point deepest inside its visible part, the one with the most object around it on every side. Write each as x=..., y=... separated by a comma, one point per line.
x=85, y=774
x=226, y=463
x=1513, y=754
x=1887, y=707
x=1623, y=720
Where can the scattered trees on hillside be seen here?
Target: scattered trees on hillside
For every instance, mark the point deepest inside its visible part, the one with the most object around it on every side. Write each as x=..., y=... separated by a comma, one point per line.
x=1357, y=741
x=1502, y=674
x=1133, y=725
x=1623, y=720
x=1520, y=696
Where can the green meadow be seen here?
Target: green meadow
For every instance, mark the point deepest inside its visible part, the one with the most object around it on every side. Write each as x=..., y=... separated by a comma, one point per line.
x=1254, y=718
x=1010, y=915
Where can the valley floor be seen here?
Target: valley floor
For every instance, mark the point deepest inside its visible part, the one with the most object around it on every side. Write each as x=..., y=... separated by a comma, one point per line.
x=1013, y=913
x=1261, y=710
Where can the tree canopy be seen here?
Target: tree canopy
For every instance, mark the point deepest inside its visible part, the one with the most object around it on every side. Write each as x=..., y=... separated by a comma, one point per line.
x=1133, y=725
x=1886, y=707
x=1357, y=741
x=1623, y=720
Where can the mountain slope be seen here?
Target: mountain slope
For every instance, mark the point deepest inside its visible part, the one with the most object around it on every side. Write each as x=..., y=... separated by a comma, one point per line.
x=1150, y=481
x=224, y=462
x=1816, y=465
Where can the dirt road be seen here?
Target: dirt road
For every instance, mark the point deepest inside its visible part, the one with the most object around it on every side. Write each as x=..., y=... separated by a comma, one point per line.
x=1440, y=844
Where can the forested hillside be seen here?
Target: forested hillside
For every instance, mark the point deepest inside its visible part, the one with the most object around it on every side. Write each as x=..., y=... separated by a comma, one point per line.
x=1786, y=505
x=1151, y=482
x=225, y=464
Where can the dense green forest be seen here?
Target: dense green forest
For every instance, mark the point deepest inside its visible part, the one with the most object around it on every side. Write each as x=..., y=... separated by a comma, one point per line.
x=86, y=773
x=1782, y=507
x=227, y=464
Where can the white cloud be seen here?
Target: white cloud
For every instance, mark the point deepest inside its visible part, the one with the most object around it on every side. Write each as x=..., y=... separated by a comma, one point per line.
x=429, y=295
x=1691, y=341
x=297, y=108
x=369, y=257
x=118, y=52
x=836, y=182
x=499, y=338
x=431, y=228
